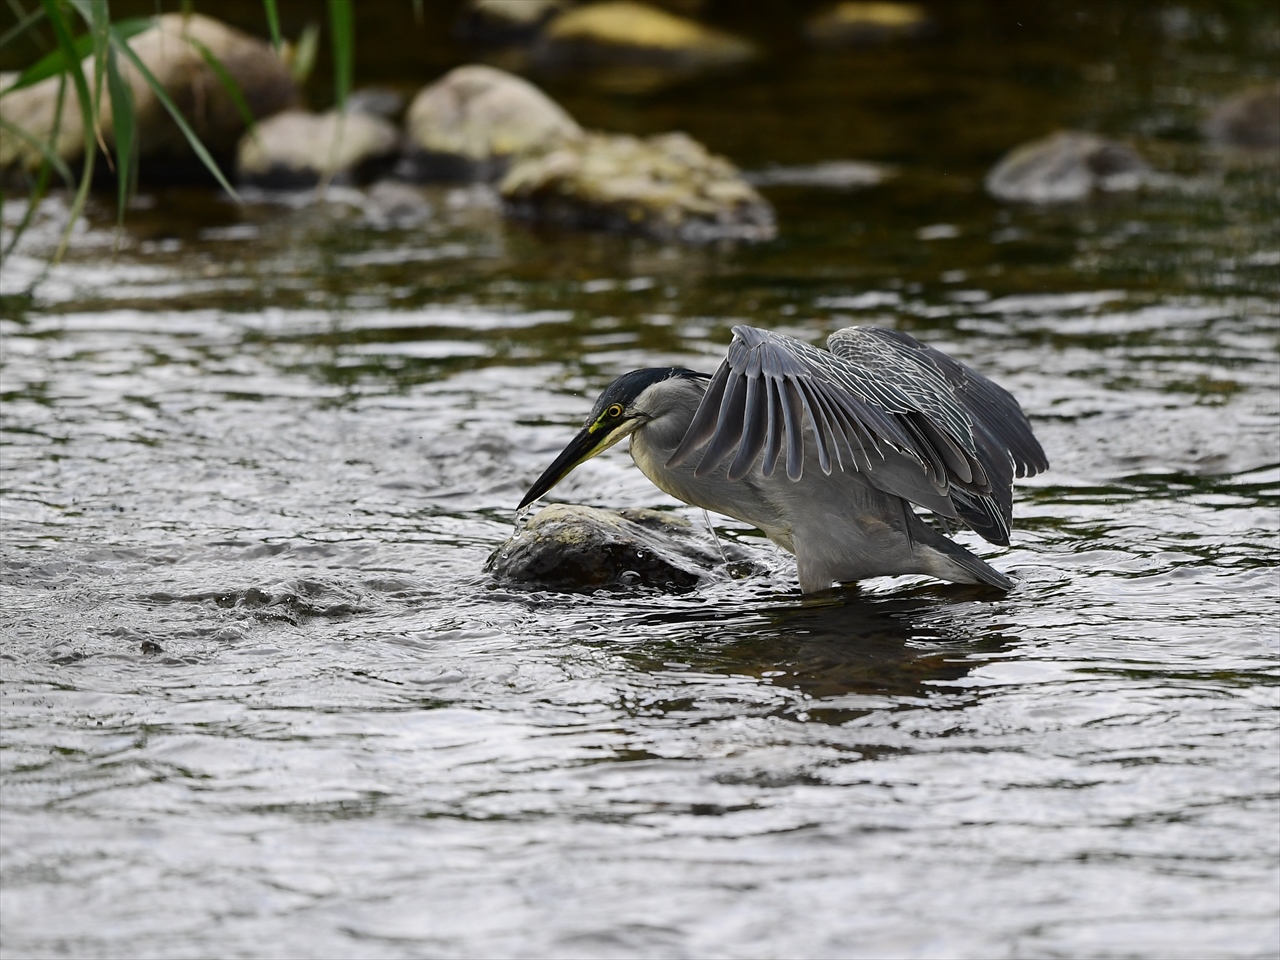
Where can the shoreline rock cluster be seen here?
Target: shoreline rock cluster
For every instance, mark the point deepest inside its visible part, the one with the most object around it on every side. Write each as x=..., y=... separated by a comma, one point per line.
x=481, y=124
x=475, y=124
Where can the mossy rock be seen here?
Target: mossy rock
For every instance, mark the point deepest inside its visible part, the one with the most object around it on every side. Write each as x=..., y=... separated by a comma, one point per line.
x=667, y=186
x=577, y=548
x=854, y=23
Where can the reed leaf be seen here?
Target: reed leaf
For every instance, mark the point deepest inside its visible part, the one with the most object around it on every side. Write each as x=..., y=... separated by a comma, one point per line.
x=123, y=124
x=342, y=27
x=55, y=61
x=194, y=141
x=226, y=79
x=62, y=34
x=273, y=23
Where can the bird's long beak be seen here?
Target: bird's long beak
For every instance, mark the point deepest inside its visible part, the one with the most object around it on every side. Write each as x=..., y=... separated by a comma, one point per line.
x=587, y=444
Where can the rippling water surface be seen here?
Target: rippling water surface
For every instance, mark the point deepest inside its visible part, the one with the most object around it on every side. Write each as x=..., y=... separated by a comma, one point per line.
x=261, y=699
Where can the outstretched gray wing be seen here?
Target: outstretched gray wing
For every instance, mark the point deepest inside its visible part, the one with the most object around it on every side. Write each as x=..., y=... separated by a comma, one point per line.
x=915, y=422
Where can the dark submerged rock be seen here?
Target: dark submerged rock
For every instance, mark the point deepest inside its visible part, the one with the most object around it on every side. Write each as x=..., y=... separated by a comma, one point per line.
x=298, y=149
x=1066, y=166
x=505, y=21
x=1251, y=118
x=472, y=122
x=572, y=547
x=378, y=101
x=171, y=51
x=668, y=186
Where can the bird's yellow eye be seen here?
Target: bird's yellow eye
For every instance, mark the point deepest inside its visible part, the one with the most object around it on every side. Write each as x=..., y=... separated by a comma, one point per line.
x=614, y=411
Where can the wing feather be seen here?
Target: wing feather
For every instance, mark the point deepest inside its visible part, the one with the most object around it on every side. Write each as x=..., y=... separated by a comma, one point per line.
x=729, y=425
x=917, y=423
x=754, y=426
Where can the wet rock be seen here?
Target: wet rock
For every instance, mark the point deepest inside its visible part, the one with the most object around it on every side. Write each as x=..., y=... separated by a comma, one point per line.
x=298, y=149
x=572, y=547
x=1066, y=166
x=623, y=31
x=471, y=123
x=505, y=21
x=1251, y=118
x=853, y=23
x=172, y=52
x=394, y=205
x=667, y=186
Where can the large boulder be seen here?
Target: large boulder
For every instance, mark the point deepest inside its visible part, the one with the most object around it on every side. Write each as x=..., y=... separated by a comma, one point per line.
x=857, y=23
x=667, y=186
x=1251, y=118
x=1066, y=166
x=299, y=149
x=623, y=31
x=571, y=547
x=173, y=50
x=469, y=124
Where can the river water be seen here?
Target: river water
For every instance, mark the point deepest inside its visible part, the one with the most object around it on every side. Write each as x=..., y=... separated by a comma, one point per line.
x=261, y=699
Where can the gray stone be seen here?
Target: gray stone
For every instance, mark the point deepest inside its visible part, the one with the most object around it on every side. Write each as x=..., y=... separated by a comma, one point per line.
x=573, y=547
x=171, y=52
x=667, y=186
x=1066, y=166
x=471, y=123
x=299, y=149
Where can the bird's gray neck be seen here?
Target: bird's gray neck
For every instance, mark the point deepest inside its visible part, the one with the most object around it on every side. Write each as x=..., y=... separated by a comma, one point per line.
x=669, y=406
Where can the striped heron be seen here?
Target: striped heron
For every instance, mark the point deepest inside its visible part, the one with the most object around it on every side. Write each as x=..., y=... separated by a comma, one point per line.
x=864, y=430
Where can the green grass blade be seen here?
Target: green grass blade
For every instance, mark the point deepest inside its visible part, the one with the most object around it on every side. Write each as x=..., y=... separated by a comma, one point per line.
x=50, y=163
x=304, y=54
x=123, y=124
x=342, y=26
x=226, y=79
x=37, y=192
x=45, y=149
x=197, y=147
x=67, y=47
x=273, y=23
x=62, y=35
x=98, y=17
x=55, y=62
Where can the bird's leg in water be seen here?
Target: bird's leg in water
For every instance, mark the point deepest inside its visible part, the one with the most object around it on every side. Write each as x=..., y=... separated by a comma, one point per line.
x=714, y=536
